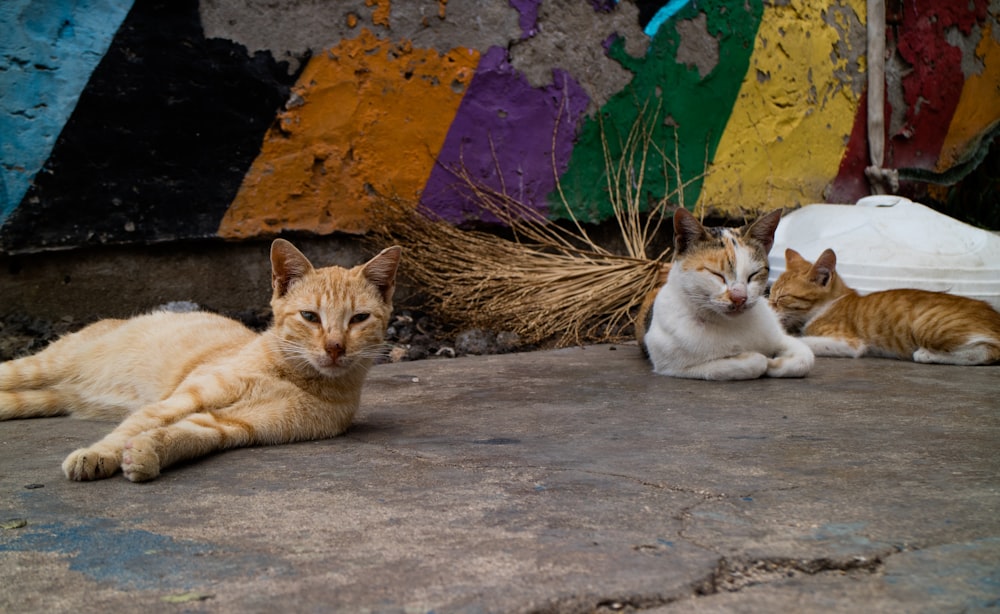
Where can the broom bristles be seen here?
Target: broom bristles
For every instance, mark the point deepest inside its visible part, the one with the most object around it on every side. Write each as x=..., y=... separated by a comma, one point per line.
x=549, y=282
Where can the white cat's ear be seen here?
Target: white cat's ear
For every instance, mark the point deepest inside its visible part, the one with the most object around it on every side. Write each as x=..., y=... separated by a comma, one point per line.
x=762, y=231
x=380, y=271
x=288, y=265
x=822, y=270
x=687, y=230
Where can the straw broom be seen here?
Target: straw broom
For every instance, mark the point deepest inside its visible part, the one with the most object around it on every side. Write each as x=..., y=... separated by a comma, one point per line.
x=548, y=282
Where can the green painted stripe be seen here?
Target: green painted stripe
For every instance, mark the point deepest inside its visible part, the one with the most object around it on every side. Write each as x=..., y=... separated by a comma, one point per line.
x=683, y=107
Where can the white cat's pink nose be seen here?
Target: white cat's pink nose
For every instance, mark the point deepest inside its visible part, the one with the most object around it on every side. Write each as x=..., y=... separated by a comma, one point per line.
x=738, y=296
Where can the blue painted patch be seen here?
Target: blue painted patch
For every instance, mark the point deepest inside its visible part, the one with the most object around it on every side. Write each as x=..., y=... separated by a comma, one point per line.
x=135, y=559
x=663, y=15
x=48, y=51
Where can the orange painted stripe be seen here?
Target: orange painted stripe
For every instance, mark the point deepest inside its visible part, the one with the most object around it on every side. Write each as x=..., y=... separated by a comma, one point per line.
x=368, y=116
x=979, y=105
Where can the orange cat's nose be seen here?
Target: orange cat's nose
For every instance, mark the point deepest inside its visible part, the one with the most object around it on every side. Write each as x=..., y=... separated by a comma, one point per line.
x=738, y=297
x=334, y=350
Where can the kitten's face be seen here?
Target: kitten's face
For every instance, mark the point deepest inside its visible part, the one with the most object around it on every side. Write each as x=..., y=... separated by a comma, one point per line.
x=722, y=271
x=803, y=289
x=331, y=319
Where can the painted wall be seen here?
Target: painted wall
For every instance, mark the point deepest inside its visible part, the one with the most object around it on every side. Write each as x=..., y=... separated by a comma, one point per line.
x=185, y=119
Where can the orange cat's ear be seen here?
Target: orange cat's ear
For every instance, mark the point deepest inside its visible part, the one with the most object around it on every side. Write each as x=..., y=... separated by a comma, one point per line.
x=762, y=231
x=792, y=257
x=380, y=271
x=687, y=230
x=822, y=271
x=288, y=265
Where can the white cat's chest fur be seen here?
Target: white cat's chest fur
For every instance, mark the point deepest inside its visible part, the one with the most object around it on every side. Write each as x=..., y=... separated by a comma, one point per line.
x=681, y=336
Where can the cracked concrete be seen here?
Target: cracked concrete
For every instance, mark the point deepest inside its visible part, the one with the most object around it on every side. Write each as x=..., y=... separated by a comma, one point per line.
x=559, y=481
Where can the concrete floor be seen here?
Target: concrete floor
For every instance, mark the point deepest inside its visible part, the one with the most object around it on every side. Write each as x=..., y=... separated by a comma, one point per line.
x=558, y=481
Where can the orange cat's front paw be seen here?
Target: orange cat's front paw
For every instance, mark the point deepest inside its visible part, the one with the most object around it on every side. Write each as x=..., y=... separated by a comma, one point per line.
x=90, y=464
x=140, y=462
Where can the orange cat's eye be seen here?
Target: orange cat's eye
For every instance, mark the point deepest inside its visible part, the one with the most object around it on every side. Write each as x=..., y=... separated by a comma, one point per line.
x=310, y=316
x=359, y=317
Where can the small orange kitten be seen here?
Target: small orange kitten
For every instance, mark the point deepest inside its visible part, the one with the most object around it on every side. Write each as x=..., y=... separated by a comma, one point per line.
x=931, y=327
x=189, y=384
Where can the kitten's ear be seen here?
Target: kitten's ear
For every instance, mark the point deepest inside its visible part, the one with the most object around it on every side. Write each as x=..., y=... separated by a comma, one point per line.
x=380, y=271
x=288, y=265
x=822, y=270
x=687, y=230
x=762, y=230
x=793, y=258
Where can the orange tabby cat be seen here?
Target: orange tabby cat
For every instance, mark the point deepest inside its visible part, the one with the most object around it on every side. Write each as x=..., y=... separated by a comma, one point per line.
x=188, y=384
x=931, y=327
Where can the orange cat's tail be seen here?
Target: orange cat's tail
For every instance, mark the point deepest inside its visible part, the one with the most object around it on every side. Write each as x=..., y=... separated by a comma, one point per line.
x=24, y=392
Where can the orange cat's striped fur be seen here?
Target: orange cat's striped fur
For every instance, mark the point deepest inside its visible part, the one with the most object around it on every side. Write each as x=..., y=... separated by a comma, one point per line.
x=188, y=384
x=930, y=327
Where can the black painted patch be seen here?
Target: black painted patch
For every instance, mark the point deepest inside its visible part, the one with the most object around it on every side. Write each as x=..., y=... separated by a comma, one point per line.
x=648, y=9
x=160, y=139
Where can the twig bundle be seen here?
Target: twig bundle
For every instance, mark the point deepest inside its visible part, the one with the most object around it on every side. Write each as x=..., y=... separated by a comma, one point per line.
x=537, y=290
x=548, y=282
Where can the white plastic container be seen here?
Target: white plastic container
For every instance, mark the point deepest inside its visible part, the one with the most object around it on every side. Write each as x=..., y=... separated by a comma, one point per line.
x=886, y=242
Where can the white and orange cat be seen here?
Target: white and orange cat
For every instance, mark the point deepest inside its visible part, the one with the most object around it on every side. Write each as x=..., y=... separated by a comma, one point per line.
x=918, y=325
x=189, y=384
x=710, y=320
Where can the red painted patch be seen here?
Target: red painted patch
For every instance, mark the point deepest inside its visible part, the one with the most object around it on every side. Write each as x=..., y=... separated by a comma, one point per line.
x=934, y=82
x=931, y=87
x=851, y=183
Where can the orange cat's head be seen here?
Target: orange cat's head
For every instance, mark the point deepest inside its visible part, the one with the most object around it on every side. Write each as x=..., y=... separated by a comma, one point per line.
x=331, y=319
x=805, y=289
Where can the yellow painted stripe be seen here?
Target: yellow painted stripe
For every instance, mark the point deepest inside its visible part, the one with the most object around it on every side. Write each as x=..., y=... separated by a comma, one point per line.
x=786, y=136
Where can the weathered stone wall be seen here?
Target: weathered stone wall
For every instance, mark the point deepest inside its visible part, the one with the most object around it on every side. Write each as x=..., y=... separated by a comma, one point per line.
x=241, y=119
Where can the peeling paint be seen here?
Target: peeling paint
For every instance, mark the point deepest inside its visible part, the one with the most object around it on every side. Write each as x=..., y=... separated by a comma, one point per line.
x=528, y=11
x=785, y=138
x=933, y=83
x=380, y=16
x=292, y=30
x=972, y=117
x=396, y=95
x=503, y=136
x=697, y=48
x=692, y=110
x=353, y=131
x=49, y=54
x=569, y=36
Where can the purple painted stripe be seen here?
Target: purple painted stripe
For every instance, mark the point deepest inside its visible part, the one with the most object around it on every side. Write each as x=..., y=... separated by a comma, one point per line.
x=528, y=11
x=502, y=135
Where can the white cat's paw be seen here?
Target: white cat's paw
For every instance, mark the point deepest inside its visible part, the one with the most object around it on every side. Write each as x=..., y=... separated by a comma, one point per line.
x=140, y=462
x=91, y=463
x=748, y=365
x=788, y=366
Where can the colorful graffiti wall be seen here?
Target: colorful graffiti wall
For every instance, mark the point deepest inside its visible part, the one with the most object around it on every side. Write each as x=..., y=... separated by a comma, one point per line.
x=164, y=120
